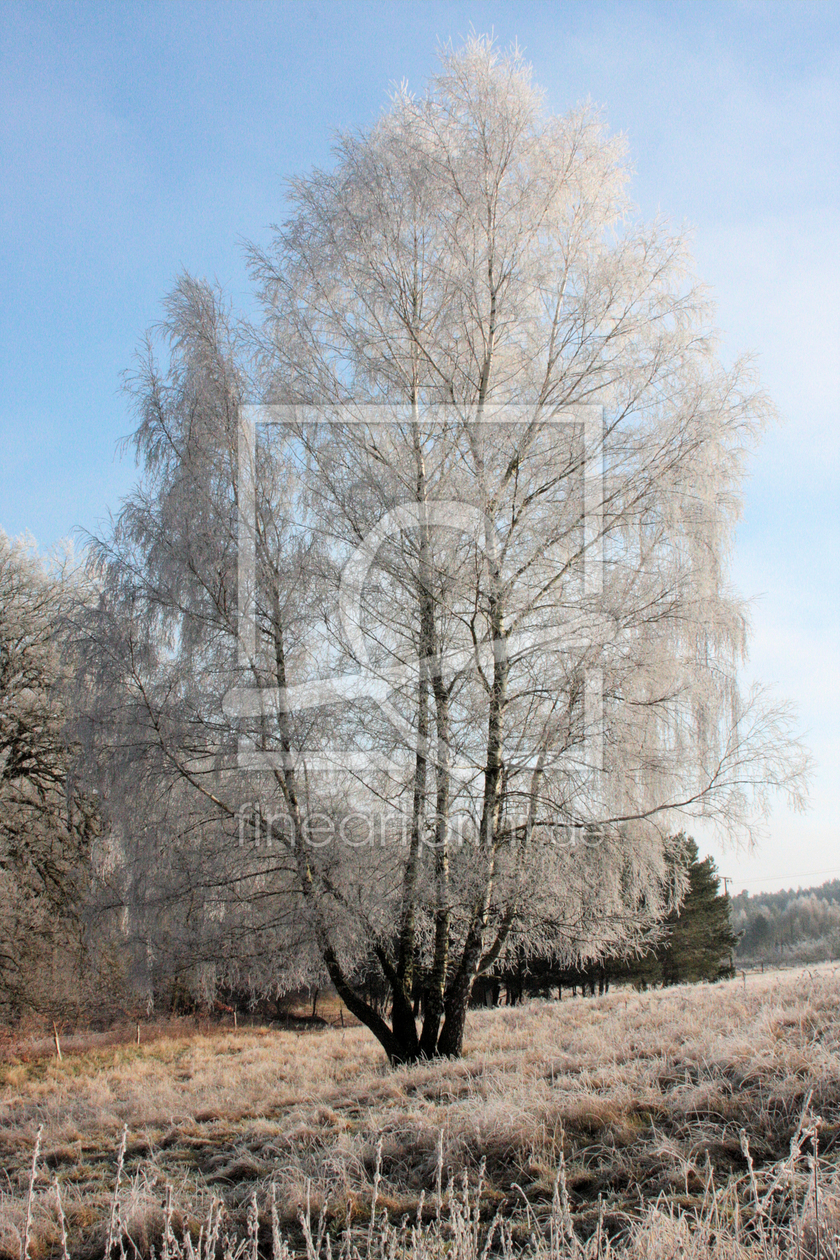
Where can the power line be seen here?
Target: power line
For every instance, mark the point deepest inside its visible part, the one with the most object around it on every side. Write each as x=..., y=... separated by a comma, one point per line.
x=770, y=879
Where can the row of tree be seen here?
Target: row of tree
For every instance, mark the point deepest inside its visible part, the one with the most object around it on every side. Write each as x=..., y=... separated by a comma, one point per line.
x=694, y=942
x=790, y=926
x=415, y=642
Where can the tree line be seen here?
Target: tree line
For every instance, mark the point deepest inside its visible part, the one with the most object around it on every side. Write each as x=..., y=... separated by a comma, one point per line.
x=801, y=925
x=694, y=942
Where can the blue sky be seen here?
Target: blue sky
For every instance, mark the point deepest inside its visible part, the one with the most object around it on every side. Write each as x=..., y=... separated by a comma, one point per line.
x=141, y=138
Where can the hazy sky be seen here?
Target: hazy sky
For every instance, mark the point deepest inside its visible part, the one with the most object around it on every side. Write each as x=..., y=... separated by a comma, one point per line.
x=142, y=138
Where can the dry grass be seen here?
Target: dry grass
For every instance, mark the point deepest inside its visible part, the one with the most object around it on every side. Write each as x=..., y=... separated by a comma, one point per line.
x=644, y=1100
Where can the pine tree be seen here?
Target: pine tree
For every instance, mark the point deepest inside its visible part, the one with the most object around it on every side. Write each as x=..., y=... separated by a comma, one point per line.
x=700, y=940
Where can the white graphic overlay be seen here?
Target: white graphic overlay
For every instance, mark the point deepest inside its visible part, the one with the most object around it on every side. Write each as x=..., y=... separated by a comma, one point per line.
x=376, y=684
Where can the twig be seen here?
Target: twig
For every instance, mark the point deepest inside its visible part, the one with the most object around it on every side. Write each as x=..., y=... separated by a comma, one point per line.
x=168, y=1237
x=114, y=1219
x=214, y=1222
x=276, y=1236
x=254, y=1226
x=759, y=1211
x=65, y=1254
x=816, y=1169
x=377, y=1177
x=600, y=1225
x=560, y=1206
x=33, y=1173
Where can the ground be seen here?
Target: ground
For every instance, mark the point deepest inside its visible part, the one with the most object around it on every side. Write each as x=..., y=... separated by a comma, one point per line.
x=654, y=1123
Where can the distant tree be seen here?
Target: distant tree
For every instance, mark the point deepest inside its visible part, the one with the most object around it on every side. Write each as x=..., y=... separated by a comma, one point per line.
x=699, y=942
x=47, y=823
x=757, y=936
x=800, y=925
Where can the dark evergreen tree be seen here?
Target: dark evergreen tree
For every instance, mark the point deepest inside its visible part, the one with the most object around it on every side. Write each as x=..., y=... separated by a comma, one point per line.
x=699, y=942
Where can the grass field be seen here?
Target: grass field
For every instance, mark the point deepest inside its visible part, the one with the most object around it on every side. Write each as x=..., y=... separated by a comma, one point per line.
x=702, y=1120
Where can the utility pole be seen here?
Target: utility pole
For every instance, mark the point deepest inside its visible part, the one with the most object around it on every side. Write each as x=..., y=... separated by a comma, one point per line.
x=726, y=879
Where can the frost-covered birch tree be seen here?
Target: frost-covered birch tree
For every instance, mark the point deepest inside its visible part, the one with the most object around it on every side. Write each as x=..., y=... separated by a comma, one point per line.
x=490, y=658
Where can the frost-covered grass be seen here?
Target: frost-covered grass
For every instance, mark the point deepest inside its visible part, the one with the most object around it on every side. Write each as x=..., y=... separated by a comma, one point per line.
x=630, y=1121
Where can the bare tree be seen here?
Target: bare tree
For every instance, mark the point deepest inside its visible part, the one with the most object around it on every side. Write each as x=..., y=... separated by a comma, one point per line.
x=48, y=823
x=486, y=602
